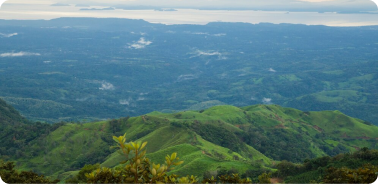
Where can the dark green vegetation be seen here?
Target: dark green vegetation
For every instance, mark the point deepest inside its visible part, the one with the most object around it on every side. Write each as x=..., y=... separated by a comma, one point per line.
x=102, y=68
x=357, y=167
x=245, y=139
x=10, y=175
x=16, y=132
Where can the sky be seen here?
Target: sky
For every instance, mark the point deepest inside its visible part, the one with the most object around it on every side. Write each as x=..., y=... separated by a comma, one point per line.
x=349, y=12
x=270, y=5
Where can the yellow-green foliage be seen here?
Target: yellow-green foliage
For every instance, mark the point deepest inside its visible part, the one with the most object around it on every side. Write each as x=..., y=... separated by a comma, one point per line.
x=137, y=168
x=365, y=174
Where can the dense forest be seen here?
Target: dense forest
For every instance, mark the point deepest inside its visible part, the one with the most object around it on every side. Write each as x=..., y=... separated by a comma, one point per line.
x=85, y=69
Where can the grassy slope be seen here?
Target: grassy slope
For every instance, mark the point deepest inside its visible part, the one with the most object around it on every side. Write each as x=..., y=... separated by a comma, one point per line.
x=70, y=143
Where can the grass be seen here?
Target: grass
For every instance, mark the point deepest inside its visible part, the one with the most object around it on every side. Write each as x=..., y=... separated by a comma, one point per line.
x=336, y=95
x=70, y=143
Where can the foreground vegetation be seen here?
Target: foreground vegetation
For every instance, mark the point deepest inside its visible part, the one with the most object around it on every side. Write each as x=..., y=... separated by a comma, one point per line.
x=356, y=167
x=137, y=168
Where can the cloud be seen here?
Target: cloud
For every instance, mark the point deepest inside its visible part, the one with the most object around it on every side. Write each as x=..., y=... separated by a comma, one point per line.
x=141, y=99
x=186, y=77
x=267, y=100
x=205, y=33
x=142, y=43
x=198, y=53
x=19, y=54
x=96, y=9
x=106, y=86
x=272, y=70
x=315, y=1
x=266, y=5
x=60, y=4
x=126, y=102
x=199, y=33
x=8, y=35
x=82, y=99
x=220, y=34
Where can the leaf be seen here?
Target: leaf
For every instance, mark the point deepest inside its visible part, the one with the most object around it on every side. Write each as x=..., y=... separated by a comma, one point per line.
x=153, y=171
x=133, y=145
x=143, y=145
x=173, y=156
x=178, y=163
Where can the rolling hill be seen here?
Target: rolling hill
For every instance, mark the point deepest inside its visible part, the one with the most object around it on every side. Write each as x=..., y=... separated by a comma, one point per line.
x=243, y=138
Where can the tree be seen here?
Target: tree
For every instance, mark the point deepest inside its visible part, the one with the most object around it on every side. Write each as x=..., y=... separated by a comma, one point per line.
x=365, y=174
x=80, y=177
x=264, y=178
x=137, y=168
x=9, y=174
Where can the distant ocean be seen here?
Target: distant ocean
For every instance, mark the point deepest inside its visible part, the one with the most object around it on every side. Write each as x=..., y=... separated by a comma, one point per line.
x=189, y=16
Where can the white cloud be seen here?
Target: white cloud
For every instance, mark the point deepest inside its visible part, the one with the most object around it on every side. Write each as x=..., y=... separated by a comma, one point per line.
x=269, y=5
x=142, y=43
x=220, y=34
x=205, y=33
x=46, y=62
x=125, y=102
x=267, y=100
x=272, y=70
x=280, y=5
x=186, y=77
x=8, y=35
x=200, y=33
x=106, y=86
x=19, y=54
x=209, y=53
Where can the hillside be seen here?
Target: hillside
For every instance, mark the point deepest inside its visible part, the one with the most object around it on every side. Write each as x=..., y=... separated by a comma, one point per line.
x=247, y=138
x=16, y=132
x=332, y=169
x=9, y=115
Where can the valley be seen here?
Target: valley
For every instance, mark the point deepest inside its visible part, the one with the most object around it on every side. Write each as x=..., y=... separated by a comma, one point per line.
x=85, y=69
x=272, y=102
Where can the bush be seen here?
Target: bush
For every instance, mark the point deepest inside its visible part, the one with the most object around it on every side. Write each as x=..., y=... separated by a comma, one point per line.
x=139, y=169
x=10, y=175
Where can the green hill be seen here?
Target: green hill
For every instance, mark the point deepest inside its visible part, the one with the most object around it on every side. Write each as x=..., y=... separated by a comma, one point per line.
x=244, y=138
x=318, y=169
x=16, y=132
x=9, y=115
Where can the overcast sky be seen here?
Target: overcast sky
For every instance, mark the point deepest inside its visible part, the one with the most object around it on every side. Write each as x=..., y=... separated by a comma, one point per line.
x=350, y=12
x=285, y=5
